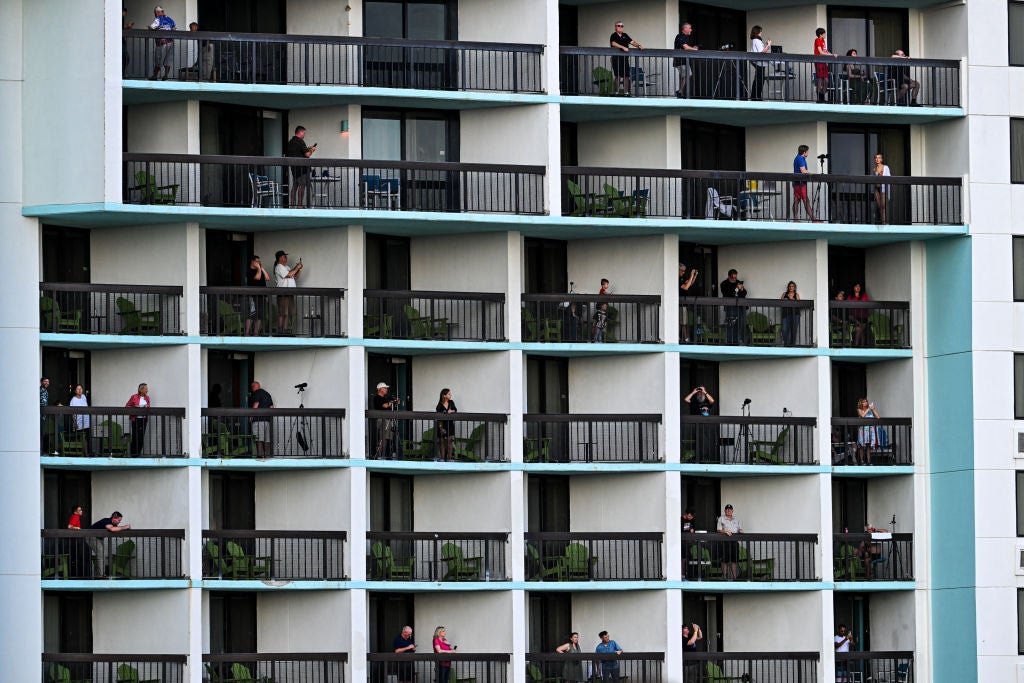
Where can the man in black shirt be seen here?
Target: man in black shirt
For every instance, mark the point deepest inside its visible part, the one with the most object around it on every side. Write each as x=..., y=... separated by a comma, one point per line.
x=260, y=398
x=386, y=428
x=620, y=40
x=735, y=316
x=99, y=551
x=684, y=41
x=404, y=645
x=297, y=149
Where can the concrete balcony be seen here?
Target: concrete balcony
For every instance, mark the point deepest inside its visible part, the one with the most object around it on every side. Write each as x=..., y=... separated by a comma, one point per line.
x=872, y=441
x=734, y=440
x=436, y=556
x=594, y=556
x=869, y=324
x=884, y=667
x=420, y=435
x=90, y=308
x=97, y=431
x=479, y=667
x=273, y=433
x=568, y=318
x=433, y=315
x=235, y=555
x=81, y=668
x=630, y=666
x=302, y=667
x=878, y=556
x=713, y=321
x=712, y=667
x=589, y=438
x=99, y=554
x=260, y=311
x=757, y=557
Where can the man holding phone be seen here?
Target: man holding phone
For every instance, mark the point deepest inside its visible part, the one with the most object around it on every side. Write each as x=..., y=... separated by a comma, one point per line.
x=297, y=149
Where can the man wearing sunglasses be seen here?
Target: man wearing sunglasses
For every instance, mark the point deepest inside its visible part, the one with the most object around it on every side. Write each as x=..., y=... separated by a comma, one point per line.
x=620, y=40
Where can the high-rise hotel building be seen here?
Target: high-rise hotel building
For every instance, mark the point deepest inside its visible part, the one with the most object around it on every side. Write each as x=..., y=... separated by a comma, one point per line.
x=480, y=167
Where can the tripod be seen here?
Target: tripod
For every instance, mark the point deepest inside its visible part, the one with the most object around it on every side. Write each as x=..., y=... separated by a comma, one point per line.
x=816, y=201
x=727, y=69
x=300, y=423
x=743, y=437
x=387, y=433
x=897, y=558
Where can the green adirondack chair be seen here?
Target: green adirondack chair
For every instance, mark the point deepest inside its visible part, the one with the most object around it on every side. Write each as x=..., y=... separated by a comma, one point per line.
x=121, y=563
x=761, y=569
x=767, y=452
x=126, y=673
x=529, y=324
x=115, y=443
x=460, y=568
x=419, y=450
x=52, y=320
x=762, y=331
x=230, y=319
x=473, y=447
x=425, y=327
x=248, y=566
x=153, y=193
x=604, y=80
x=578, y=562
x=136, y=321
x=387, y=568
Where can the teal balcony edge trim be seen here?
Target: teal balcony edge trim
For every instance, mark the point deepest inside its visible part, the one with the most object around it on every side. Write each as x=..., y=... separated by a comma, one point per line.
x=674, y=104
x=874, y=586
x=299, y=585
x=327, y=92
x=98, y=585
x=747, y=469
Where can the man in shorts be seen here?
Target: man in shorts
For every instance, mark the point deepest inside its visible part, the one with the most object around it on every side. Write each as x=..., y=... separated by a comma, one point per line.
x=800, y=188
x=163, y=52
x=260, y=398
x=684, y=41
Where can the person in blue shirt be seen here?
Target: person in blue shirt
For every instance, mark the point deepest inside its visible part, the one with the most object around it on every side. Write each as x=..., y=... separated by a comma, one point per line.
x=609, y=667
x=800, y=188
x=163, y=53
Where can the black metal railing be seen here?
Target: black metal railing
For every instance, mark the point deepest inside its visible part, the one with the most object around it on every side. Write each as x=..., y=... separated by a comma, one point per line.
x=872, y=441
x=436, y=556
x=429, y=315
x=272, y=311
x=273, y=433
x=274, y=555
x=729, y=75
x=629, y=666
x=98, y=553
x=482, y=667
x=880, y=556
x=760, y=196
x=83, y=432
x=421, y=435
x=263, y=182
x=715, y=321
x=749, y=557
x=777, y=667
x=304, y=667
x=869, y=324
x=590, y=318
x=895, y=667
x=594, y=556
x=76, y=308
x=65, y=667
x=331, y=60
x=732, y=440
x=591, y=438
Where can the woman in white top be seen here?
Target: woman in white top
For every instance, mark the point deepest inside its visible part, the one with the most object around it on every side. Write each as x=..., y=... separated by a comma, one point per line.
x=286, y=277
x=757, y=44
x=881, y=191
x=81, y=421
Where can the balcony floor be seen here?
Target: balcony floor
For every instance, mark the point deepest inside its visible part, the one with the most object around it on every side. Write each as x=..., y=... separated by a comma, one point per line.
x=419, y=223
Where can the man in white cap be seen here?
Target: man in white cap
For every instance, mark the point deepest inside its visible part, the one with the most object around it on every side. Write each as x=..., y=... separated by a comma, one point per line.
x=385, y=428
x=164, y=50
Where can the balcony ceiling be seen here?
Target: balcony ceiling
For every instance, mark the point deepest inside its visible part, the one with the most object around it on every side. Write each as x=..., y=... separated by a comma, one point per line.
x=747, y=114
x=309, y=96
x=409, y=223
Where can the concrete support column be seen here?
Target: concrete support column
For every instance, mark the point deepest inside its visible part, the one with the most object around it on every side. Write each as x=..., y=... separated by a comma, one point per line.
x=822, y=296
x=194, y=564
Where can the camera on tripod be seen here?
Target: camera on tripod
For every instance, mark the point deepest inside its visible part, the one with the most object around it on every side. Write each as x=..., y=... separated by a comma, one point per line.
x=302, y=386
x=727, y=47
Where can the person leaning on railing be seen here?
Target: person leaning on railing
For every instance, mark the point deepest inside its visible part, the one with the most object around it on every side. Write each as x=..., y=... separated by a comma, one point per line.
x=572, y=671
x=111, y=524
x=859, y=80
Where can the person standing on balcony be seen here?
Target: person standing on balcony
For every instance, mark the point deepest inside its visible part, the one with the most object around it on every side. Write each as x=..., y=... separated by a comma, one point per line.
x=799, y=186
x=684, y=41
x=125, y=57
x=163, y=52
x=689, y=526
x=859, y=316
x=759, y=45
x=790, y=316
x=45, y=434
x=620, y=40
x=735, y=316
x=600, y=323
x=843, y=641
x=81, y=421
x=729, y=553
x=140, y=399
x=404, y=645
x=572, y=671
x=297, y=149
x=609, y=667
x=691, y=634
x=908, y=86
x=606, y=287
x=261, y=398
x=446, y=428
x=685, y=283
x=881, y=170
x=821, y=68
x=286, y=278
x=441, y=644
x=99, y=554
x=867, y=437
x=256, y=277
x=386, y=428
x=75, y=520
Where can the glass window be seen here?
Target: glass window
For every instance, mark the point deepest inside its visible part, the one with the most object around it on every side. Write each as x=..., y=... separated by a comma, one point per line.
x=1015, y=27
x=1018, y=386
x=1017, y=150
x=1018, y=268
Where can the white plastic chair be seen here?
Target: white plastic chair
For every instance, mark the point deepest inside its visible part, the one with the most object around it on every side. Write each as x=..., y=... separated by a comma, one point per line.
x=719, y=205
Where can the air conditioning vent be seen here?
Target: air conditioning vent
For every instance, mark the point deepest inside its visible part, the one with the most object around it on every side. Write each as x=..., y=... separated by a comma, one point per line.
x=1019, y=561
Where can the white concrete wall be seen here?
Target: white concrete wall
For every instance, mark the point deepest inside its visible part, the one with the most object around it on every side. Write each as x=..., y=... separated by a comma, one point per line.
x=301, y=621
x=148, y=499
x=469, y=502
x=891, y=616
x=317, y=18
x=150, y=622
x=160, y=128
x=323, y=253
x=632, y=265
x=888, y=496
x=765, y=622
x=771, y=385
x=766, y=268
x=325, y=370
x=517, y=21
x=791, y=27
x=891, y=387
x=459, y=263
x=476, y=622
x=479, y=381
x=617, y=385
x=628, y=616
x=298, y=500
x=323, y=128
x=779, y=505
x=652, y=23
x=516, y=135
x=609, y=503
x=887, y=272
x=139, y=255
x=772, y=148
x=600, y=142
x=116, y=375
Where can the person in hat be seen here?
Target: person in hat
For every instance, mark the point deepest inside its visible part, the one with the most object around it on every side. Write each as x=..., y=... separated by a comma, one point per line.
x=286, y=276
x=385, y=427
x=730, y=550
x=163, y=51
